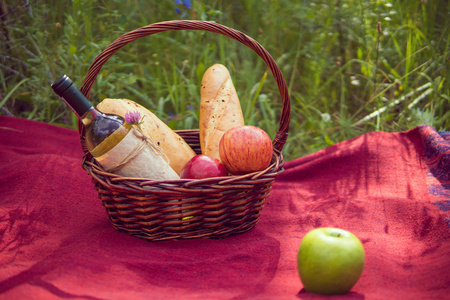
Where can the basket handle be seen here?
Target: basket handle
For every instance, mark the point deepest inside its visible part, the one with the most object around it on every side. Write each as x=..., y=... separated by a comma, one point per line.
x=281, y=135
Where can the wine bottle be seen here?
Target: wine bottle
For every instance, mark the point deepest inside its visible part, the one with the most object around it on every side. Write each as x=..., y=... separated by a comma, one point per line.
x=99, y=127
x=114, y=143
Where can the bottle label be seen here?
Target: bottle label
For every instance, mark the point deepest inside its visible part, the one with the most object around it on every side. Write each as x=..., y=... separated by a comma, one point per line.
x=137, y=156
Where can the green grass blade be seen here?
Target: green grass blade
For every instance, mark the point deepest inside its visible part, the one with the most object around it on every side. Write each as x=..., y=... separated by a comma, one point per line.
x=10, y=93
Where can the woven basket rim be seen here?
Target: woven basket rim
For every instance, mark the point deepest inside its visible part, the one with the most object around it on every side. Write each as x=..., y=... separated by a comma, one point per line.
x=275, y=168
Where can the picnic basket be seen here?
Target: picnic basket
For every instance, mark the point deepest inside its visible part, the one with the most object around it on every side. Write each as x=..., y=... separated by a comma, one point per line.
x=185, y=209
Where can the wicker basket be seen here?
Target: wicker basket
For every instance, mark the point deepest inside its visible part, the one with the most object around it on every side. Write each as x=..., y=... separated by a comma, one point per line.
x=186, y=209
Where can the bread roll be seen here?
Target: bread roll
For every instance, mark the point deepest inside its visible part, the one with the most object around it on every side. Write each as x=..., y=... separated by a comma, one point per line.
x=220, y=108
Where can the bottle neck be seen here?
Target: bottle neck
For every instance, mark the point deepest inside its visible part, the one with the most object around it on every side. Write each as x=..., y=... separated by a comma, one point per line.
x=73, y=97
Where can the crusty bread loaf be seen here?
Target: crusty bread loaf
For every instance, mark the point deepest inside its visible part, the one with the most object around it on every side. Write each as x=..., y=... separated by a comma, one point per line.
x=220, y=108
x=175, y=148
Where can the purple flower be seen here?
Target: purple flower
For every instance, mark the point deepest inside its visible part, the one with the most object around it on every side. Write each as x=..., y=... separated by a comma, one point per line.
x=187, y=4
x=182, y=7
x=133, y=117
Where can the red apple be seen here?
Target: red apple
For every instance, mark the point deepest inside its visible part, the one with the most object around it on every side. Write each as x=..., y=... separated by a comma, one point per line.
x=245, y=149
x=203, y=166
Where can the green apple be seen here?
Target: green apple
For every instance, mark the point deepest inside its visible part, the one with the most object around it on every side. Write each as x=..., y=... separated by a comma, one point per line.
x=330, y=261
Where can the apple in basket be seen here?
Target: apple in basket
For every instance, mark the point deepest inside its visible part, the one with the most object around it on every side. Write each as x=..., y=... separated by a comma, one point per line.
x=330, y=261
x=203, y=166
x=245, y=149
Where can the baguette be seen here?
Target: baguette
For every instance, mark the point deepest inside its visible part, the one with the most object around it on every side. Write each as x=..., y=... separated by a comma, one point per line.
x=220, y=108
x=174, y=147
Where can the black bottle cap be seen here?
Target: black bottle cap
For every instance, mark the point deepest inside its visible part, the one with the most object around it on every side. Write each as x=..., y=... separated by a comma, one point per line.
x=73, y=97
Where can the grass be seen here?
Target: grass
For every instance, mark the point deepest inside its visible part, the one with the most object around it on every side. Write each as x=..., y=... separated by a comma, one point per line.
x=352, y=66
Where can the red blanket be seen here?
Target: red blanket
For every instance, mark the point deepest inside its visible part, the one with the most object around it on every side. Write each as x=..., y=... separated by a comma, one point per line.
x=392, y=190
